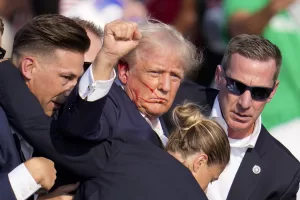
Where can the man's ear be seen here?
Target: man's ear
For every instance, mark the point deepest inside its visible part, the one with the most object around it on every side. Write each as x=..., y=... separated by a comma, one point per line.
x=218, y=76
x=26, y=67
x=200, y=161
x=123, y=71
x=274, y=91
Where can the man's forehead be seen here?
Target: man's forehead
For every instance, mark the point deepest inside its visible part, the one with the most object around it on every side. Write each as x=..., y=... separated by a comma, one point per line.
x=252, y=75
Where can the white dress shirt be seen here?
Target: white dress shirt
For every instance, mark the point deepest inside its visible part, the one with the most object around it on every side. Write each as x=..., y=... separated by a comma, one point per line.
x=91, y=90
x=21, y=181
x=218, y=190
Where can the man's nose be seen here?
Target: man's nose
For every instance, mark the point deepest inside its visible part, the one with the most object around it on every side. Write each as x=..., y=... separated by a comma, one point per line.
x=165, y=83
x=245, y=100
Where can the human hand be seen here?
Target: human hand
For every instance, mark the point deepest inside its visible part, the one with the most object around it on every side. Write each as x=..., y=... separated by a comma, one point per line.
x=42, y=170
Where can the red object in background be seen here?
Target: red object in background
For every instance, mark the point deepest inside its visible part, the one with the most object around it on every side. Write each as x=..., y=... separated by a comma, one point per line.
x=164, y=10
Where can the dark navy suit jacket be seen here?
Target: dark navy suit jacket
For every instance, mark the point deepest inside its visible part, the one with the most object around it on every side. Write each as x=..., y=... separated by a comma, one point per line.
x=112, y=115
x=88, y=160
x=141, y=170
x=9, y=157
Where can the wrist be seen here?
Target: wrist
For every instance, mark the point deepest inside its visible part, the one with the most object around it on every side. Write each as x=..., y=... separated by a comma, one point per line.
x=103, y=65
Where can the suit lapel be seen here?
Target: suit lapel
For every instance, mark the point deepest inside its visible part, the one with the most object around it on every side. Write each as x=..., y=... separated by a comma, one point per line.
x=247, y=176
x=164, y=128
x=246, y=179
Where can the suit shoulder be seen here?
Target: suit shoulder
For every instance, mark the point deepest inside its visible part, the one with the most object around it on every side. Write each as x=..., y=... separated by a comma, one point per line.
x=281, y=151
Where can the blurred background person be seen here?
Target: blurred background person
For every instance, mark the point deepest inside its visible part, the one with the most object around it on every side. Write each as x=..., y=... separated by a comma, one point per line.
x=102, y=12
x=95, y=34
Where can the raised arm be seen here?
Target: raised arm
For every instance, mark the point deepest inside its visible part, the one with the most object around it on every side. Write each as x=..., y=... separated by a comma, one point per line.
x=84, y=109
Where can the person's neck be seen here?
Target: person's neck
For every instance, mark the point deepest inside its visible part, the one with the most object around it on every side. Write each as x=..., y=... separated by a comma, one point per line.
x=240, y=134
x=177, y=155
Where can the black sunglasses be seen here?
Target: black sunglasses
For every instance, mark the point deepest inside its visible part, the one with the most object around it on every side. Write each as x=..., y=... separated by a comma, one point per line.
x=238, y=88
x=86, y=65
x=2, y=53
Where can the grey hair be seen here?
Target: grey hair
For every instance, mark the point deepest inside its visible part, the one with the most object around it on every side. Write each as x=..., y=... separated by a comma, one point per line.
x=155, y=33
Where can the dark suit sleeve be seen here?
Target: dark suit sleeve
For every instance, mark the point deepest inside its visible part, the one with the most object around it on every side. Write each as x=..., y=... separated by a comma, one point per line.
x=26, y=115
x=5, y=188
x=292, y=190
x=83, y=119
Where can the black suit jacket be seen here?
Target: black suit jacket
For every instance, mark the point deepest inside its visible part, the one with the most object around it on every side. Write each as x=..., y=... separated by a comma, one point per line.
x=279, y=177
x=84, y=159
x=108, y=117
x=9, y=157
x=141, y=170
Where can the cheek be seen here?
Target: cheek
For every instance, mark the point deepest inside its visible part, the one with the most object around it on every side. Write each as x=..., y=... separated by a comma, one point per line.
x=258, y=107
x=174, y=89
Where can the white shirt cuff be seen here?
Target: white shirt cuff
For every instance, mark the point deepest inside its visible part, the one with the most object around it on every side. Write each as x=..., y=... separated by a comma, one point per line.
x=22, y=182
x=91, y=90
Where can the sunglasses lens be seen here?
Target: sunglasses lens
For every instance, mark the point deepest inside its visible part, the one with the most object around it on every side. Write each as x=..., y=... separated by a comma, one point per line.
x=261, y=94
x=235, y=87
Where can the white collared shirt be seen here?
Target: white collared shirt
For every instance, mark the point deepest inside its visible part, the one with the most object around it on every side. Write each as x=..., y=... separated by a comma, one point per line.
x=218, y=190
x=93, y=90
x=21, y=181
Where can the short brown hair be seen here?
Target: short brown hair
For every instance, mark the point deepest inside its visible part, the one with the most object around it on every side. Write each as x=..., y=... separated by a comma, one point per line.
x=254, y=47
x=195, y=133
x=89, y=25
x=1, y=27
x=46, y=33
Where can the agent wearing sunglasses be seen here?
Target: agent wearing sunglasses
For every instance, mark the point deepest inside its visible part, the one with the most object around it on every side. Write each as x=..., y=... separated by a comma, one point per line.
x=260, y=167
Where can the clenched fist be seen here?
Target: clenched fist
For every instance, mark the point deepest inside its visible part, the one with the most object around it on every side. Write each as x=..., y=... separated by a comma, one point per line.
x=120, y=37
x=42, y=170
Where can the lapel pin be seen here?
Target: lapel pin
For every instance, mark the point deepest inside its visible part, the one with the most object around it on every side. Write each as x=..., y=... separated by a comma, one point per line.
x=256, y=169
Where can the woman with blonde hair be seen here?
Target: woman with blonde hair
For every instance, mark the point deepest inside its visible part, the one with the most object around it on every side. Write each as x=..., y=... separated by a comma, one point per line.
x=199, y=143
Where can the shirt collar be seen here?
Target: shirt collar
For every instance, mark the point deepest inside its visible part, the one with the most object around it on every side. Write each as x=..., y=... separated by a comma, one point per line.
x=249, y=141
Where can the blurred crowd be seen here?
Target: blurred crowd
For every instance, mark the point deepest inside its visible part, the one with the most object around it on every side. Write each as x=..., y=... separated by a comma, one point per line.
x=209, y=25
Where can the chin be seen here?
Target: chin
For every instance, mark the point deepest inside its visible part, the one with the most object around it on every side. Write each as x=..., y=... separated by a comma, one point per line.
x=238, y=125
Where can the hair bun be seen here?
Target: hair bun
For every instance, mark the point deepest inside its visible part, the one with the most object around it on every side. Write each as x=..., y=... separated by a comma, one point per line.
x=187, y=116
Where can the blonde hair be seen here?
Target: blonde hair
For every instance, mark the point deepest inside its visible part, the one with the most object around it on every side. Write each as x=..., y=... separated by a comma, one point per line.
x=195, y=133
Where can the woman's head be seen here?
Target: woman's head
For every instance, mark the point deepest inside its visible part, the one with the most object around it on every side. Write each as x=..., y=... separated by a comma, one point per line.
x=199, y=143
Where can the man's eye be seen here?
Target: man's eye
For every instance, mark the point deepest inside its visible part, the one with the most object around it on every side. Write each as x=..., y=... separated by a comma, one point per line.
x=67, y=77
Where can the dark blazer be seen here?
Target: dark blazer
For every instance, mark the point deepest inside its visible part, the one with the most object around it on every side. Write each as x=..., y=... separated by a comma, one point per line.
x=84, y=159
x=9, y=157
x=279, y=177
x=141, y=170
x=112, y=115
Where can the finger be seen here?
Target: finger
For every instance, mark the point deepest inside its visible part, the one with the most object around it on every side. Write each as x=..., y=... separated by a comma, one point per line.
x=137, y=35
x=65, y=189
x=66, y=197
x=131, y=29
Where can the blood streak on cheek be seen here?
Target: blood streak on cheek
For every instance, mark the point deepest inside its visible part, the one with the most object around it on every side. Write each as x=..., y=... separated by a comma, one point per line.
x=152, y=90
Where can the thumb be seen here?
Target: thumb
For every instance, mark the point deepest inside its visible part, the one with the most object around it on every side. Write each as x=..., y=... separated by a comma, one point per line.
x=137, y=35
